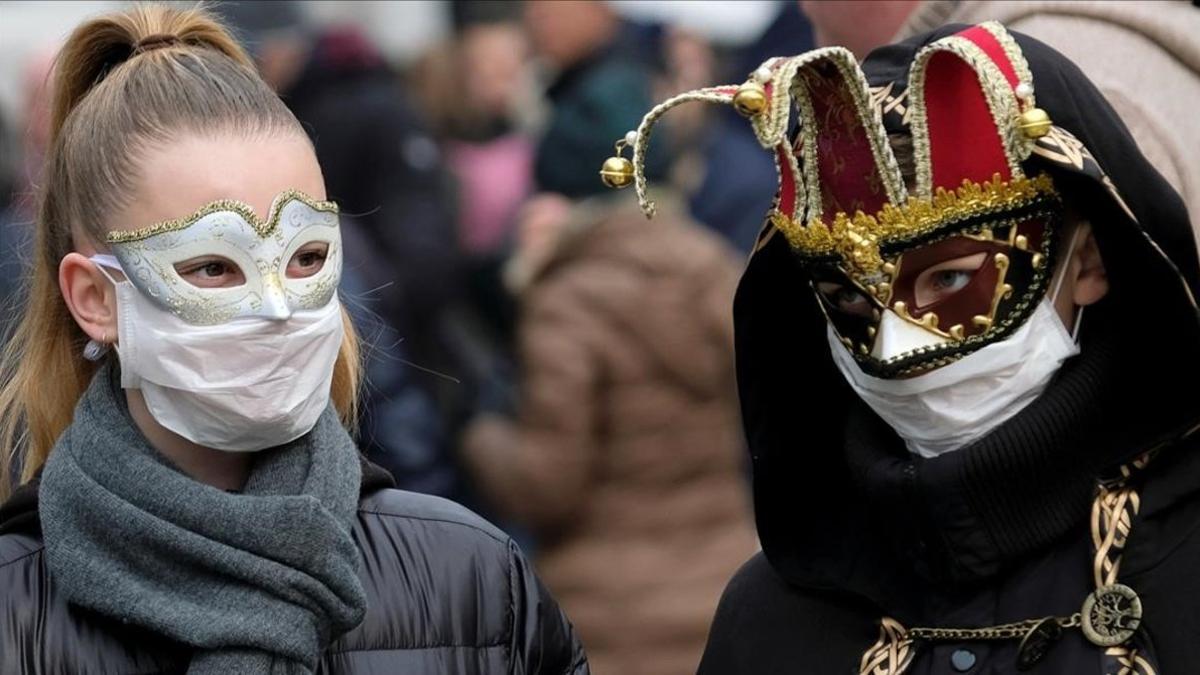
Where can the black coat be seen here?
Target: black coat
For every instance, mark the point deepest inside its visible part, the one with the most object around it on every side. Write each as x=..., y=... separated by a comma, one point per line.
x=447, y=593
x=855, y=529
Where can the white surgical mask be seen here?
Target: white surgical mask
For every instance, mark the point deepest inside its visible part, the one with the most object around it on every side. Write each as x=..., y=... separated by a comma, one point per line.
x=243, y=385
x=957, y=404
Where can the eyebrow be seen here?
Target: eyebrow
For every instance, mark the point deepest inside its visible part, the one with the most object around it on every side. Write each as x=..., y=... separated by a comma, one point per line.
x=262, y=226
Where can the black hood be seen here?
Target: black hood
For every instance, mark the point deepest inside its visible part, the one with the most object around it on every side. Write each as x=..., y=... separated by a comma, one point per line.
x=836, y=494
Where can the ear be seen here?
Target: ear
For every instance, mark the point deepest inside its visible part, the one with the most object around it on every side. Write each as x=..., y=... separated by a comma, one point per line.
x=90, y=297
x=1091, y=279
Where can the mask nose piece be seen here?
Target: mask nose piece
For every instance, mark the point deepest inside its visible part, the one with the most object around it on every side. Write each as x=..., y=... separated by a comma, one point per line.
x=275, y=305
x=895, y=337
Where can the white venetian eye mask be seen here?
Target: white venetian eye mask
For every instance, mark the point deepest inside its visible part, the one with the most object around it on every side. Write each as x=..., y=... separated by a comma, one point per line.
x=230, y=232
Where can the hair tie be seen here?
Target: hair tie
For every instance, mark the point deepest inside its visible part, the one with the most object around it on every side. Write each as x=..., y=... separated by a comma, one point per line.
x=156, y=41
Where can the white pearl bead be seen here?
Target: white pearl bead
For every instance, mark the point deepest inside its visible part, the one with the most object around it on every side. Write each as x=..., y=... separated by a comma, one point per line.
x=762, y=74
x=1024, y=90
x=630, y=137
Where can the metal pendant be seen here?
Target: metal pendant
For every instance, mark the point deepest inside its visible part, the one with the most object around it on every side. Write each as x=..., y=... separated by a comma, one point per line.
x=1037, y=643
x=1111, y=615
x=892, y=654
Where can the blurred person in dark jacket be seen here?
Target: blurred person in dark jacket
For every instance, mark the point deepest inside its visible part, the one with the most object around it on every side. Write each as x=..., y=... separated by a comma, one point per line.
x=599, y=90
x=386, y=171
x=625, y=458
x=738, y=177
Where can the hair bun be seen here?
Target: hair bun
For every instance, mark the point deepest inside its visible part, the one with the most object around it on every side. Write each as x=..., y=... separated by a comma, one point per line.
x=101, y=45
x=156, y=41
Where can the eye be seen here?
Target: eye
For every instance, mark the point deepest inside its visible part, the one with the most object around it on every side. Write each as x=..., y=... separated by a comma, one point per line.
x=845, y=298
x=949, y=281
x=947, y=278
x=210, y=272
x=308, y=260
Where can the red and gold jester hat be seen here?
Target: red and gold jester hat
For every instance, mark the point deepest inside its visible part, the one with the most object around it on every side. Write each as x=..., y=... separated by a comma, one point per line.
x=865, y=236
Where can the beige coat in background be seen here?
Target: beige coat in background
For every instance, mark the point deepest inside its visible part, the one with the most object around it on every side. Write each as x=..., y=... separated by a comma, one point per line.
x=1143, y=56
x=628, y=459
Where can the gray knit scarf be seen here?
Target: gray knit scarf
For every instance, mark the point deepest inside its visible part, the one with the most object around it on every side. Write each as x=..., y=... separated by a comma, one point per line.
x=257, y=582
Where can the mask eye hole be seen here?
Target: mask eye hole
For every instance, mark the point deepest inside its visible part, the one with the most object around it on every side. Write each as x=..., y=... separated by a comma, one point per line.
x=944, y=279
x=845, y=298
x=211, y=271
x=307, y=261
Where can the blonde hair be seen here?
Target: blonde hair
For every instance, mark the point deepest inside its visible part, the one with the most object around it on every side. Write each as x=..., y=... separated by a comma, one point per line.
x=122, y=82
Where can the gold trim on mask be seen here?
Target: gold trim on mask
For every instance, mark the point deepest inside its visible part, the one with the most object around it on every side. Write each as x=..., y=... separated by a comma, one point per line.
x=263, y=227
x=857, y=239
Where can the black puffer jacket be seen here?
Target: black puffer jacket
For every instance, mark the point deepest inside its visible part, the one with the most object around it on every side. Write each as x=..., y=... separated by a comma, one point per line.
x=447, y=593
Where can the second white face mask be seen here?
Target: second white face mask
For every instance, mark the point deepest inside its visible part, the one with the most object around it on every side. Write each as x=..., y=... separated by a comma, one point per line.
x=240, y=386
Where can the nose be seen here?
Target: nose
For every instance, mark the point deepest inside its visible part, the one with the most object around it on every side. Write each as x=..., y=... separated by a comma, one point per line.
x=275, y=305
x=895, y=336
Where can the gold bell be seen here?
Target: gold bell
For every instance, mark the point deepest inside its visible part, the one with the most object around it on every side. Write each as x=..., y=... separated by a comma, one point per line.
x=750, y=99
x=1034, y=123
x=617, y=172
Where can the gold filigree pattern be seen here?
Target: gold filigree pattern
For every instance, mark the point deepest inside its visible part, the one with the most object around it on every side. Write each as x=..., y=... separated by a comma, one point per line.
x=1112, y=517
x=264, y=227
x=883, y=99
x=1126, y=471
x=891, y=654
x=1128, y=661
x=1061, y=147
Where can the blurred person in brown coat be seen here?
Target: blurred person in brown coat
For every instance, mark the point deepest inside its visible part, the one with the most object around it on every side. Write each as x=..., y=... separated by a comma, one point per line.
x=1133, y=51
x=627, y=457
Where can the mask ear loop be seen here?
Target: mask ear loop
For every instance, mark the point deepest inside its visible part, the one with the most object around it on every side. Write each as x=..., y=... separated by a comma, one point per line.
x=105, y=260
x=1059, y=282
x=95, y=350
x=1078, y=323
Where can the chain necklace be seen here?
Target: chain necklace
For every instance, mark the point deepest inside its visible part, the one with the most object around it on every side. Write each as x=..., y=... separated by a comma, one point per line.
x=1006, y=631
x=1109, y=617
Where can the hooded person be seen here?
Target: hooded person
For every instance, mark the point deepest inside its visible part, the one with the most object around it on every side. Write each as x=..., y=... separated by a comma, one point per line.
x=956, y=467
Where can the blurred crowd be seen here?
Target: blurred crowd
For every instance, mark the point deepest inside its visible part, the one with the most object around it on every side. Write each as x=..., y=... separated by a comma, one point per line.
x=535, y=349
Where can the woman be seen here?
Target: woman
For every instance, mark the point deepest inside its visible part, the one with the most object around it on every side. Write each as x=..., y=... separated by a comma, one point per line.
x=205, y=509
